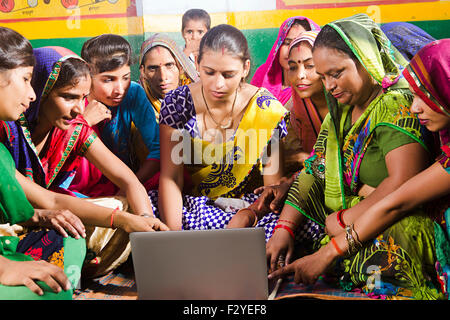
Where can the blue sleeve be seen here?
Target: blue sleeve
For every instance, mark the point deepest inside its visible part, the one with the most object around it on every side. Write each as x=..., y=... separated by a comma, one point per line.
x=144, y=119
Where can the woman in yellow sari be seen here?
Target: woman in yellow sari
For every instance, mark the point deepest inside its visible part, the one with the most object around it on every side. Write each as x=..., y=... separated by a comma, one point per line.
x=220, y=129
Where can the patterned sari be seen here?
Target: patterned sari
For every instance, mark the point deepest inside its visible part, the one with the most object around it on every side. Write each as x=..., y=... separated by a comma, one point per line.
x=66, y=253
x=270, y=74
x=223, y=172
x=54, y=168
x=402, y=257
x=428, y=74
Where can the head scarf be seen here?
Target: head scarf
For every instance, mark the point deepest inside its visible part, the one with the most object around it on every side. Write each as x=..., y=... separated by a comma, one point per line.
x=428, y=73
x=345, y=151
x=188, y=73
x=373, y=49
x=45, y=74
x=305, y=120
x=406, y=37
x=270, y=74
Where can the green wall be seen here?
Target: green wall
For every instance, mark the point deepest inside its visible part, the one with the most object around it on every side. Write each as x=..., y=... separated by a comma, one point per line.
x=260, y=41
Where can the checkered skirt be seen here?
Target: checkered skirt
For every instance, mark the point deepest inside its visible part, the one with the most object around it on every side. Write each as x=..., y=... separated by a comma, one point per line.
x=200, y=213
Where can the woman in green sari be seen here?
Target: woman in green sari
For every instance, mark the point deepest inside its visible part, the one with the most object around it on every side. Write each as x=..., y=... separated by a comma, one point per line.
x=369, y=144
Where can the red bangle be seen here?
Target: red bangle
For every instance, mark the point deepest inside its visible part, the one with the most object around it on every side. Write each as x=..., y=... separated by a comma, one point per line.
x=339, y=218
x=282, y=226
x=288, y=221
x=112, y=217
x=339, y=251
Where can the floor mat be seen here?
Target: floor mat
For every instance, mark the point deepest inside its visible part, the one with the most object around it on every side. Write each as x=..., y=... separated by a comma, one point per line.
x=121, y=286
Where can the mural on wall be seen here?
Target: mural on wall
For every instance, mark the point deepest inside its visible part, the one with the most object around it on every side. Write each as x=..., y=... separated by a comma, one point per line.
x=20, y=9
x=316, y=4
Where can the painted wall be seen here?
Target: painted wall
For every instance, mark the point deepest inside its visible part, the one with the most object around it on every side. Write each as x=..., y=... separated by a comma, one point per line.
x=71, y=22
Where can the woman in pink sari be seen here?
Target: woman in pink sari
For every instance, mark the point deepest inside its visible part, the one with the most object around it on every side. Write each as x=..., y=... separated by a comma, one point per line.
x=272, y=75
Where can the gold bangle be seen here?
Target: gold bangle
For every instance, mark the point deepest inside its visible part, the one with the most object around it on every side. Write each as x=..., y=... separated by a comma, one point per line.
x=252, y=211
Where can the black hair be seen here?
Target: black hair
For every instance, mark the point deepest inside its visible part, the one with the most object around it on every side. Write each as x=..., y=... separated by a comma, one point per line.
x=15, y=50
x=107, y=52
x=330, y=38
x=225, y=36
x=195, y=14
x=72, y=70
x=303, y=23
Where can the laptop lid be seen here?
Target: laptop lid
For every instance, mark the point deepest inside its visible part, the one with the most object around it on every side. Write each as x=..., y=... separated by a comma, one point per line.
x=224, y=264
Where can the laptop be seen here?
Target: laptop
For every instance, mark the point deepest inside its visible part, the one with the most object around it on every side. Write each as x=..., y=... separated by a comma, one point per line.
x=223, y=264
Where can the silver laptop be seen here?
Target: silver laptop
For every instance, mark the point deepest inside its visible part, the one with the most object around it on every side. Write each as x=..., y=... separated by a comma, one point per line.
x=225, y=264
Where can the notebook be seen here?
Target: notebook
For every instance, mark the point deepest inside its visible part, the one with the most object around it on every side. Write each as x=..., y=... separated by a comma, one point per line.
x=224, y=264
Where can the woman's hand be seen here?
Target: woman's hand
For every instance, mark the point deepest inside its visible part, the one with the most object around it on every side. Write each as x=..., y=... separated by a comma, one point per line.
x=279, y=248
x=17, y=273
x=272, y=197
x=95, y=112
x=242, y=219
x=133, y=223
x=63, y=221
x=308, y=268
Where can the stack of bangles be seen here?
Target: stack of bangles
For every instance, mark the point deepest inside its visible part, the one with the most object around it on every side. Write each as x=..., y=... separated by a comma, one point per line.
x=353, y=241
x=286, y=227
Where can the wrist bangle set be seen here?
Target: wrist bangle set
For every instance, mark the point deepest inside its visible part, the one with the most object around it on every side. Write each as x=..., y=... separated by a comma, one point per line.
x=286, y=227
x=353, y=241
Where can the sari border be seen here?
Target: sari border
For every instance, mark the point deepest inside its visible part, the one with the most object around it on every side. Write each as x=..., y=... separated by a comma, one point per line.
x=303, y=212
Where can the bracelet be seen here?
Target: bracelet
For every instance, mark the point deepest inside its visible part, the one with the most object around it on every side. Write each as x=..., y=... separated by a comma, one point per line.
x=288, y=221
x=335, y=245
x=352, y=244
x=339, y=217
x=112, y=217
x=283, y=226
x=252, y=211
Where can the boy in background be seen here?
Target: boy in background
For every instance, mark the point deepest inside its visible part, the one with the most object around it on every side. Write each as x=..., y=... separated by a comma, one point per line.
x=195, y=23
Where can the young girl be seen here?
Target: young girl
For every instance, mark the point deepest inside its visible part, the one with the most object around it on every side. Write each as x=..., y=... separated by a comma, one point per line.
x=272, y=75
x=125, y=111
x=219, y=121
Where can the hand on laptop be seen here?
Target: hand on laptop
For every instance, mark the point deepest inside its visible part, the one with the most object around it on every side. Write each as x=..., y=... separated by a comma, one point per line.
x=133, y=223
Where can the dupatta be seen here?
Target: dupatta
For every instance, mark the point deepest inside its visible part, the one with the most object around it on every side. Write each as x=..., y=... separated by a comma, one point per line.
x=61, y=144
x=225, y=166
x=428, y=74
x=345, y=152
x=188, y=73
x=406, y=37
x=270, y=74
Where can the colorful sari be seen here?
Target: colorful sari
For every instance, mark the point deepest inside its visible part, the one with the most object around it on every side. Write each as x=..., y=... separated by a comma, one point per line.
x=428, y=73
x=402, y=257
x=270, y=74
x=188, y=73
x=66, y=253
x=54, y=168
x=406, y=37
x=226, y=172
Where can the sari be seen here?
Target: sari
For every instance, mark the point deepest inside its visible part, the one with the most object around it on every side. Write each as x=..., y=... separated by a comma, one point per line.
x=188, y=73
x=55, y=167
x=66, y=253
x=60, y=160
x=223, y=174
x=270, y=74
x=428, y=74
x=305, y=120
x=402, y=257
x=406, y=37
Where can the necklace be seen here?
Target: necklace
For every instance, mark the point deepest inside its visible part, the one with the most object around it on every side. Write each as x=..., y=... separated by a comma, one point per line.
x=230, y=120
